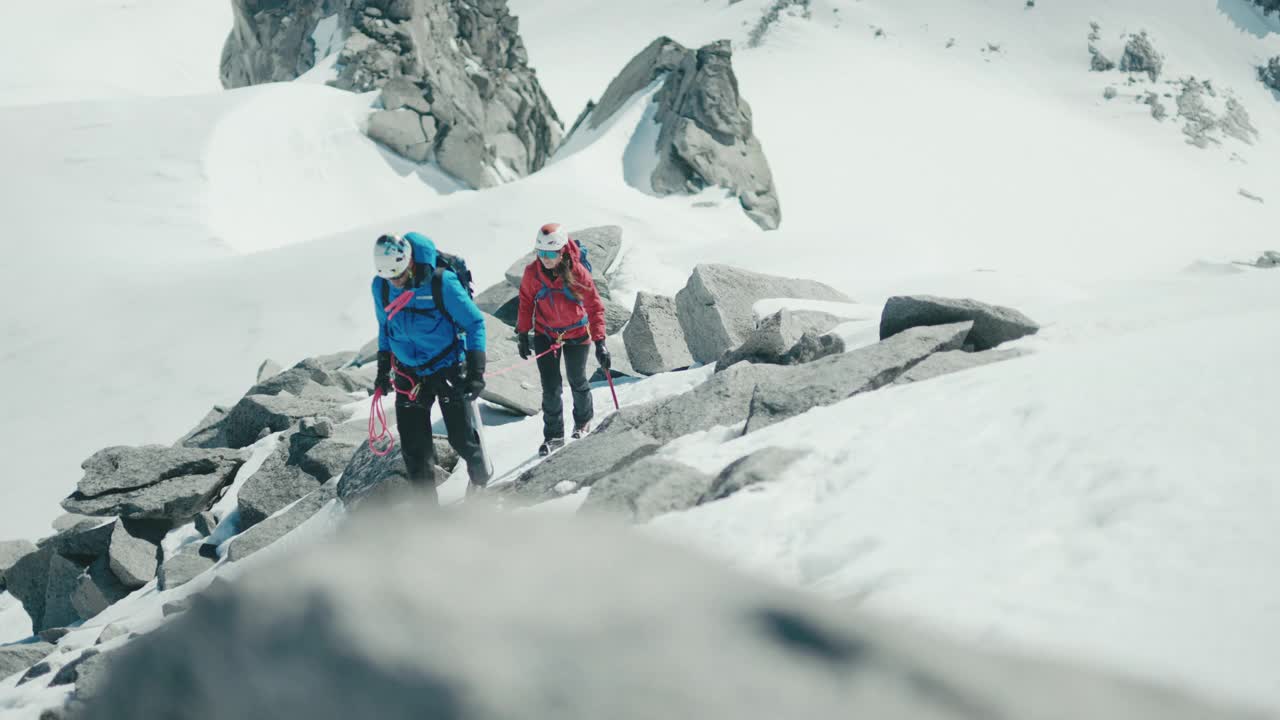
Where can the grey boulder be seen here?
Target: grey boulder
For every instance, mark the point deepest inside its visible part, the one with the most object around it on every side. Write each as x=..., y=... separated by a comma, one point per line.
x=153, y=482
x=44, y=583
x=410, y=619
x=716, y=305
x=646, y=489
x=952, y=361
x=723, y=400
x=580, y=464
x=498, y=299
x=257, y=415
x=832, y=379
x=97, y=589
x=407, y=133
x=183, y=567
x=654, y=337
x=768, y=343
x=992, y=324
x=133, y=559
x=761, y=466
x=518, y=389
x=602, y=243
x=11, y=551
x=275, y=485
x=272, y=529
x=18, y=657
x=1140, y=56
x=379, y=479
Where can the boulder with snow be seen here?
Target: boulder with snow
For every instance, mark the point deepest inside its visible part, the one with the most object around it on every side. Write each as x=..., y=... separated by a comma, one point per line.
x=275, y=485
x=153, y=482
x=706, y=136
x=11, y=551
x=183, y=567
x=952, y=361
x=97, y=589
x=268, y=531
x=832, y=379
x=581, y=463
x=723, y=400
x=456, y=86
x=18, y=657
x=473, y=617
x=761, y=466
x=646, y=489
x=992, y=324
x=258, y=415
x=44, y=582
x=716, y=305
x=1269, y=74
x=802, y=333
x=654, y=336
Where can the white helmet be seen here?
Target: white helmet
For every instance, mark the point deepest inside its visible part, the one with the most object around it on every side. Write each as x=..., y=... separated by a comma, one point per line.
x=391, y=256
x=551, y=237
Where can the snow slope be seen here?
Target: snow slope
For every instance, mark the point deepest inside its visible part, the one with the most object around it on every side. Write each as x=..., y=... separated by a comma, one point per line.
x=1107, y=498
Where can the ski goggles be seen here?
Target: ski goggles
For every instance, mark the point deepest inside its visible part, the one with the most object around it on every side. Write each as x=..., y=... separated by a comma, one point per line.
x=549, y=254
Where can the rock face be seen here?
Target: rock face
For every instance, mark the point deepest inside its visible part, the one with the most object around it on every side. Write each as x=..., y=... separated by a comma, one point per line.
x=44, y=583
x=654, y=337
x=715, y=306
x=1269, y=73
x=706, y=137
x=992, y=324
x=456, y=85
x=362, y=626
x=833, y=379
x=647, y=489
x=152, y=482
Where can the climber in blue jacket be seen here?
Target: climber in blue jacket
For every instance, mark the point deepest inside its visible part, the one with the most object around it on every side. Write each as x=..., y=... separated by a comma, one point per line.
x=431, y=346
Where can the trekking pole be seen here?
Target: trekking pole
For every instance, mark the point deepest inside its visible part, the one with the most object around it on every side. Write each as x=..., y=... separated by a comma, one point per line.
x=609, y=374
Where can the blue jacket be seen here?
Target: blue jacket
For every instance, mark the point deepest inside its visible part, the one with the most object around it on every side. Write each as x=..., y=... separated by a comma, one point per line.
x=420, y=333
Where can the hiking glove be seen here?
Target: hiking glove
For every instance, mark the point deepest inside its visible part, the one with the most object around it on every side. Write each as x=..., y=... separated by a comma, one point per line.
x=473, y=385
x=602, y=355
x=523, y=341
x=383, y=381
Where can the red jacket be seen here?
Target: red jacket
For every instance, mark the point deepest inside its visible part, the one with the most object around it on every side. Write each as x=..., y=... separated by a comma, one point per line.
x=544, y=303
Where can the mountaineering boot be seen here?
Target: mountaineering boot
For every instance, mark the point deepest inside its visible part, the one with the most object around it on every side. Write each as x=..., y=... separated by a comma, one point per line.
x=581, y=431
x=550, y=445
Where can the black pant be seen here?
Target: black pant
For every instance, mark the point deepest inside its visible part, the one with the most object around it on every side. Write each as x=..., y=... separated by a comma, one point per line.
x=575, y=353
x=413, y=420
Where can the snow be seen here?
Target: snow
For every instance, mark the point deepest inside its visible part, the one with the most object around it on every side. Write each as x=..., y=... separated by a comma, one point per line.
x=15, y=624
x=1107, y=497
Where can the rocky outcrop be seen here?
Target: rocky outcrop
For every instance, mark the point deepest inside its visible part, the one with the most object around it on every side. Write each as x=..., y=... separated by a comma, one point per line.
x=1269, y=74
x=723, y=400
x=11, y=551
x=183, y=567
x=655, y=339
x=97, y=589
x=269, y=531
x=456, y=86
x=44, y=582
x=153, y=482
x=706, y=138
x=602, y=243
x=836, y=378
x=716, y=305
x=411, y=619
x=992, y=324
x=1140, y=56
x=18, y=657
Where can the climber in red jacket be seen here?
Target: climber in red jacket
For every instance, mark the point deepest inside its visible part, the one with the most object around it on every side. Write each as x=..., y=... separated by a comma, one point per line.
x=560, y=304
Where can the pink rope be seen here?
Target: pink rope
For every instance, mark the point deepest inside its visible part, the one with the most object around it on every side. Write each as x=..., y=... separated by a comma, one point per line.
x=522, y=363
x=378, y=415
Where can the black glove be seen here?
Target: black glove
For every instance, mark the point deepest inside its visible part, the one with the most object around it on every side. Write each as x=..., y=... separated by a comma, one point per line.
x=383, y=381
x=473, y=385
x=602, y=355
x=523, y=340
